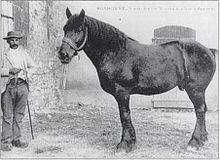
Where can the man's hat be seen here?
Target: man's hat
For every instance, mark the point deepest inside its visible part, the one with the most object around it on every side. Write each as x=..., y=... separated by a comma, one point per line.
x=13, y=34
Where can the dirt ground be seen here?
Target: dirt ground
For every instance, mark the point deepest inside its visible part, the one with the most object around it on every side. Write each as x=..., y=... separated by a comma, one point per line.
x=90, y=131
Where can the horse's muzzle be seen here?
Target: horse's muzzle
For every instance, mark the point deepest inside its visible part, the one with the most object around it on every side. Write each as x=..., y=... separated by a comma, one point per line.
x=65, y=61
x=64, y=58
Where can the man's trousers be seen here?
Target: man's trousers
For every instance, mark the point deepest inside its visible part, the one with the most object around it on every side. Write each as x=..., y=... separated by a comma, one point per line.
x=13, y=103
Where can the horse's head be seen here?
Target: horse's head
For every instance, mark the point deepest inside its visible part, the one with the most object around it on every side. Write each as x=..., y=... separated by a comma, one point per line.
x=75, y=36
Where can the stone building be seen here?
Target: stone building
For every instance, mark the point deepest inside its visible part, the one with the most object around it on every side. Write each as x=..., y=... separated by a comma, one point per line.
x=172, y=32
x=38, y=22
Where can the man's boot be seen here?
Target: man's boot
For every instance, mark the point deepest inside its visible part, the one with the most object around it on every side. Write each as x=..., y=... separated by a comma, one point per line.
x=19, y=143
x=6, y=146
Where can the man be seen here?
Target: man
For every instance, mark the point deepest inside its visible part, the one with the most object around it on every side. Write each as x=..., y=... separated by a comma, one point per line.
x=17, y=66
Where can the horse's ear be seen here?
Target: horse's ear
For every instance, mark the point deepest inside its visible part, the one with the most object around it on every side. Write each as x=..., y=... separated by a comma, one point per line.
x=68, y=13
x=82, y=15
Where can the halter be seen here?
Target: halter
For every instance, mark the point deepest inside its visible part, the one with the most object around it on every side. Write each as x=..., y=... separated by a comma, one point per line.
x=69, y=42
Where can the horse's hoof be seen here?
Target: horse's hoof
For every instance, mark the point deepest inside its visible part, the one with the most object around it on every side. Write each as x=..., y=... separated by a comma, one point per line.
x=195, y=144
x=125, y=147
x=192, y=148
x=204, y=137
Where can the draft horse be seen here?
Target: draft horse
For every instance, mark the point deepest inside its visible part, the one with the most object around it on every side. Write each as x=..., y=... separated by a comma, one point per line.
x=126, y=67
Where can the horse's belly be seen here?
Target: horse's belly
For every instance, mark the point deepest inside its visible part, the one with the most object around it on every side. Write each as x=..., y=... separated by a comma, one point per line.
x=156, y=85
x=152, y=90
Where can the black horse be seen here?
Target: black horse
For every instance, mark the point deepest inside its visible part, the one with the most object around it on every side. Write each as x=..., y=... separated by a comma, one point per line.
x=126, y=67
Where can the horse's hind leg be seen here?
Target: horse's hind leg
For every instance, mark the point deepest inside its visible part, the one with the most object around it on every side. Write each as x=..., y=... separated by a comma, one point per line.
x=128, y=139
x=197, y=96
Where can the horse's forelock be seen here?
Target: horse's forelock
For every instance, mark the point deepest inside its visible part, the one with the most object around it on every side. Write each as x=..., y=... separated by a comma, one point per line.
x=72, y=22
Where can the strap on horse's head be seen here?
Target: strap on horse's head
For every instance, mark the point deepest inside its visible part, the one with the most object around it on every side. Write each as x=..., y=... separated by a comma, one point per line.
x=76, y=50
x=69, y=42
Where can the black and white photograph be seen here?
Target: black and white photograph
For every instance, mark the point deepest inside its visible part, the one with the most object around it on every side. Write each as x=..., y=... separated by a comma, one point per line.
x=109, y=79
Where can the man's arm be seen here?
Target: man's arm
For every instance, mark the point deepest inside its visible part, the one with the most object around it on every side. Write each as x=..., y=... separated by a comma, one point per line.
x=4, y=67
x=5, y=72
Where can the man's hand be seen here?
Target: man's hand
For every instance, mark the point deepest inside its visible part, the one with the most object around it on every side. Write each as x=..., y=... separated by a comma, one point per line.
x=14, y=71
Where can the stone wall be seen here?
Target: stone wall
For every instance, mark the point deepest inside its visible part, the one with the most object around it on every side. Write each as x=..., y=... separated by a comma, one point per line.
x=21, y=19
x=43, y=43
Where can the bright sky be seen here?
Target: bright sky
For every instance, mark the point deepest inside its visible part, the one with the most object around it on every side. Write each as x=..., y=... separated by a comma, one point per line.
x=138, y=19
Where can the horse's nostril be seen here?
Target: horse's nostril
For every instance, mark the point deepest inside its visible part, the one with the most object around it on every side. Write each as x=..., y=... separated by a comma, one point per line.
x=62, y=54
x=75, y=53
x=65, y=54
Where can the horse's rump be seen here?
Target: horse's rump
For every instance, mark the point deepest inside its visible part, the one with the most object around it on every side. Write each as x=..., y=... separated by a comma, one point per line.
x=200, y=60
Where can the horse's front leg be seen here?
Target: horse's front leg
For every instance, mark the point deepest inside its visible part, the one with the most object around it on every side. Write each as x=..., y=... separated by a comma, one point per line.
x=128, y=139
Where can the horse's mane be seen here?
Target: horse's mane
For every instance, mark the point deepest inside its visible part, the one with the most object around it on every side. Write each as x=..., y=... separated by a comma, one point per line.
x=101, y=34
x=105, y=34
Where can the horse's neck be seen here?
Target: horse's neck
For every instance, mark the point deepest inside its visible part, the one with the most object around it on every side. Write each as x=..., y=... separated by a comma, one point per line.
x=99, y=44
x=93, y=54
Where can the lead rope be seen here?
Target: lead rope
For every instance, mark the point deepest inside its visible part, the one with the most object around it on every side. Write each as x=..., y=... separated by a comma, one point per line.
x=64, y=77
x=65, y=72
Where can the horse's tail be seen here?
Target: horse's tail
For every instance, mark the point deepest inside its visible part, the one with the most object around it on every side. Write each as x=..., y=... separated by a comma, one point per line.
x=184, y=78
x=214, y=51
